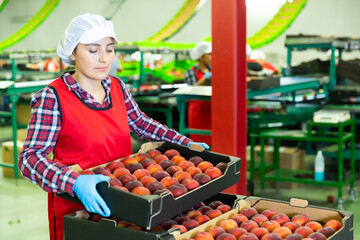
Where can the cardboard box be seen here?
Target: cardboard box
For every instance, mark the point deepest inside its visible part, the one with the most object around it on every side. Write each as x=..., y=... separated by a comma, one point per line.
x=77, y=226
x=290, y=158
x=8, y=152
x=23, y=111
x=151, y=210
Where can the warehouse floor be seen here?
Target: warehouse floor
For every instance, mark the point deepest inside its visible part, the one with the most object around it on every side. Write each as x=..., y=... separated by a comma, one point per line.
x=23, y=205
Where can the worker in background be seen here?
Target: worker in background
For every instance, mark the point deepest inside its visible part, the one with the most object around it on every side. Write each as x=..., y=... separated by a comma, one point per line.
x=49, y=65
x=85, y=117
x=199, y=112
x=257, y=56
x=115, y=66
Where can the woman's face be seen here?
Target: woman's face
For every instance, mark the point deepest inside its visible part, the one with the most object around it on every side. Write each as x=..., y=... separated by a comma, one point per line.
x=206, y=59
x=93, y=61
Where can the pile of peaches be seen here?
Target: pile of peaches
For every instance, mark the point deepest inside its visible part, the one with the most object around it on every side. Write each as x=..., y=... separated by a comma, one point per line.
x=154, y=173
x=249, y=224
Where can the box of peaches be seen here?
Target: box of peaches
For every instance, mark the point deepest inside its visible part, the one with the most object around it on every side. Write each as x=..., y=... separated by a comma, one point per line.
x=224, y=217
x=162, y=180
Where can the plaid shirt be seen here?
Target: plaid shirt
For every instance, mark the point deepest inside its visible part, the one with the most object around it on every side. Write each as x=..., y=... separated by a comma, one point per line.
x=45, y=124
x=190, y=76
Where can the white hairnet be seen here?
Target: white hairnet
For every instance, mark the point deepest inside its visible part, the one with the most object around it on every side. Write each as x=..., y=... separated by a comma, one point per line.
x=257, y=54
x=248, y=50
x=84, y=29
x=200, y=49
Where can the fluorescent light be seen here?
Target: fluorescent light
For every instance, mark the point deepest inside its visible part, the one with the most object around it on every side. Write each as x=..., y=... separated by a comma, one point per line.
x=262, y=3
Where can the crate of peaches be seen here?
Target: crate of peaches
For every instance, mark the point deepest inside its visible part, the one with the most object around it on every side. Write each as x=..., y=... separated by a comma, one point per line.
x=218, y=218
x=162, y=180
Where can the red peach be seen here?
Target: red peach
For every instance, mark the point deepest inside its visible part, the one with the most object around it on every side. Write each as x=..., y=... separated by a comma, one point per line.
x=146, y=180
x=180, y=219
x=171, y=153
x=259, y=232
x=239, y=218
x=317, y=236
x=182, y=228
x=222, y=166
x=119, y=172
x=185, y=165
x=128, y=160
x=177, y=189
x=190, y=224
x=153, y=168
x=216, y=231
x=173, y=169
x=121, y=188
x=224, y=208
x=196, y=160
x=271, y=236
x=294, y=236
x=102, y=170
x=87, y=172
x=159, y=158
x=147, y=162
x=335, y=224
x=115, y=164
x=281, y=218
x=166, y=163
x=225, y=236
x=202, y=178
x=141, y=191
x=199, y=205
x=282, y=231
x=141, y=156
x=202, y=219
x=248, y=236
x=130, y=185
x=313, y=225
x=181, y=176
x=213, y=213
x=249, y=212
x=292, y=226
x=203, y=236
x=126, y=178
x=159, y=192
x=159, y=175
x=269, y=213
x=134, y=166
x=327, y=231
x=193, y=214
x=204, y=209
x=237, y=232
x=259, y=219
x=168, y=224
x=153, y=152
x=301, y=219
x=95, y=217
x=154, y=186
x=140, y=173
x=115, y=182
x=213, y=172
x=168, y=181
x=248, y=225
x=193, y=171
x=304, y=231
x=228, y=224
x=190, y=184
x=215, y=204
x=270, y=225
x=204, y=165
x=177, y=159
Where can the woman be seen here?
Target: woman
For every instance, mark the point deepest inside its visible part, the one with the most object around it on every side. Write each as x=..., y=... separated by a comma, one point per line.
x=84, y=117
x=199, y=112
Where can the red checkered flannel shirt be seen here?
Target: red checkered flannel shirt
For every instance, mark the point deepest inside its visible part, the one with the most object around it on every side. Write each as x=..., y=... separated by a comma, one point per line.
x=45, y=124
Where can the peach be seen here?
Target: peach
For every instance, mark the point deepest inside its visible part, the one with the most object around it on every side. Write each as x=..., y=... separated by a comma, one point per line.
x=115, y=182
x=115, y=164
x=269, y=213
x=259, y=219
x=202, y=219
x=168, y=224
x=204, y=209
x=213, y=213
x=294, y=236
x=102, y=170
x=140, y=173
x=153, y=168
x=130, y=185
x=216, y=231
x=159, y=158
x=185, y=165
x=249, y=212
x=177, y=159
x=222, y=166
x=259, y=232
x=190, y=184
x=196, y=160
x=154, y=186
x=215, y=204
x=202, y=178
x=203, y=236
x=121, y=188
x=314, y=225
x=237, y=232
x=119, y=172
x=304, y=231
x=141, y=156
x=128, y=160
x=213, y=172
x=281, y=218
x=193, y=214
x=335, y=224
x=168, y=181
x=317, y=236
x=224, y=208
x=239, y=218
x=87, y=172
x=180, y=219
x=228, y=224
x=270, y=225
x=147, y=162
x=147, y=179
x=225, y=236
x=199, y=205
x=153, y=152
x=190, y=224
x=271, y=236
x=204, y=165
x=171, y=153
x=126, y=178
x=141, y=191
x=182, y=228
x=173, y=169
x=122, y=223
x=159, y=192
x=282, y=231
x=292, y=226
x=134, y=166
x=193, y=171
x=327, y=231
x=166, y=163
x=301, y=219
x=159, y=175
x=249, y=225
x=95, y=217
x=181, y=176
x=177, y=189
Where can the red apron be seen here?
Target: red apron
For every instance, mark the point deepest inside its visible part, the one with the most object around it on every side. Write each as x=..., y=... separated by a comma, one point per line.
x=199, y=115
x=88, y=137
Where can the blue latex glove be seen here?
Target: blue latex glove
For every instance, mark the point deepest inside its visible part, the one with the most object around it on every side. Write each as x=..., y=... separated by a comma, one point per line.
x=85, y=189
x=207, y=75
x=204, y=145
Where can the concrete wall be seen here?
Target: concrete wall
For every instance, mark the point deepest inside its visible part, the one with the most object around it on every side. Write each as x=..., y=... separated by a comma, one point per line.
x=137, y=20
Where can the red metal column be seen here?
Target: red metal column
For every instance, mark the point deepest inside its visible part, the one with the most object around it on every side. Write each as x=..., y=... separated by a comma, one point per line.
x=229, y=83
